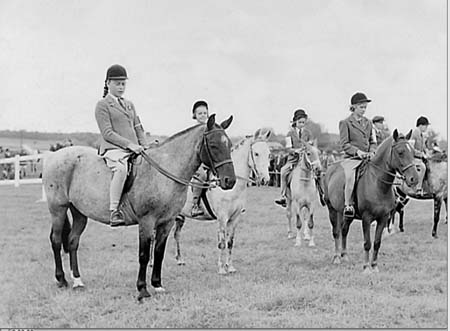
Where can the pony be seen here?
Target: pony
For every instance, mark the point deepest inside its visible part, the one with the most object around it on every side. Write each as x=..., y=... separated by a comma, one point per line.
x=374, y=196
x=77, y=179
x=436, y=188
x=301, y=195
x=250, y=155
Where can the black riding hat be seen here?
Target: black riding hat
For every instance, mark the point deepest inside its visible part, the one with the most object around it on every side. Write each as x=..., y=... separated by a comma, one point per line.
x=199, y=104
x=116, y=72
x=359, y=97
x=377, y=119
x=299, y=113
x=422, y=120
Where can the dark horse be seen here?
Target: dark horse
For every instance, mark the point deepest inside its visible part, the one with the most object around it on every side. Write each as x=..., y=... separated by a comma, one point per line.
x=374, y=196
x=435, y=186
x=76, y=178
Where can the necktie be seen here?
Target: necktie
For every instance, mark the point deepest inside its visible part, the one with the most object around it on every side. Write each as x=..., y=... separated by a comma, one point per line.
x=121, y=102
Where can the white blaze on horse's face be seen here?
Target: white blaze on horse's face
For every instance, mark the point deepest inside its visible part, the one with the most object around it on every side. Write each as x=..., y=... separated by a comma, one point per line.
x=259, y=161
x=313, y=156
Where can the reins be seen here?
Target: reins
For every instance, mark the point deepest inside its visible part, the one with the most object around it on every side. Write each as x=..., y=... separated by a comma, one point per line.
x=203, y=184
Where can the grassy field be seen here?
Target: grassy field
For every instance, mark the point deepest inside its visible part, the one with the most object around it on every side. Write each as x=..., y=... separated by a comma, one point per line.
x=277, y=285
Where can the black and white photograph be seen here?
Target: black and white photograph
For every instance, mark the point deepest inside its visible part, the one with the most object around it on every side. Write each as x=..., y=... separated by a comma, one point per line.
x=228, y=164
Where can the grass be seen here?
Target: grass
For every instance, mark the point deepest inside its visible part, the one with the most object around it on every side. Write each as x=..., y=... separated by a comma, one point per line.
x=277, y=285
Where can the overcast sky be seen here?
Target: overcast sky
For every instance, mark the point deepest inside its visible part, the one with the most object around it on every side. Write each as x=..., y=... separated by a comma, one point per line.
x=258, y=60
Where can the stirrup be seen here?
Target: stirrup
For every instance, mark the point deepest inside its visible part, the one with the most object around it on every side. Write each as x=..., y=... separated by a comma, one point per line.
x=196, y=211
x=116, y=218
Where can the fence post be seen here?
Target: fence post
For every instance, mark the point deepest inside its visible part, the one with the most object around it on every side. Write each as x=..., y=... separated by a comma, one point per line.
x=17, y=170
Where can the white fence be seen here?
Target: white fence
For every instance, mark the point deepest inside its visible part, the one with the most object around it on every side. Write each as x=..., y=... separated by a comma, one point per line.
x=17, y=181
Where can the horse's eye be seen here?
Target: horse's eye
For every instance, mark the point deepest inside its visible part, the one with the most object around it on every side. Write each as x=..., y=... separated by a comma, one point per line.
x=309, y=153
x=256, y=154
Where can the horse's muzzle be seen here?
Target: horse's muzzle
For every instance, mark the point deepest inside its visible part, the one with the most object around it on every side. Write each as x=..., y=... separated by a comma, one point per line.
x=227, y=182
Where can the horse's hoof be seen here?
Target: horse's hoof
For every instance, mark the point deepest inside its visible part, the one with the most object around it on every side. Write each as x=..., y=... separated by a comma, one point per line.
x=336, y=259
x=231, y=269
x=375, y=269
x=345, y=258
x=222, y=271
x=435, y=236
x=367, y=270
x=61, y=284
x=312, y=243
x=402, y=230
x=307, y=237
x=181, y=262
x=298, y=243
x=143, y=293
x=290, y=235
x=160, y=290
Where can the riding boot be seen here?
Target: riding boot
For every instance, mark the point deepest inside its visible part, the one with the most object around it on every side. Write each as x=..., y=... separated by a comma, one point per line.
x=284, y=174
x=349, y=210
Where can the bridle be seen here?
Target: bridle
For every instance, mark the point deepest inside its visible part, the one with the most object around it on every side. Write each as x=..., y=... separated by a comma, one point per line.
x=213, y=165
x=202, y=184
x=401, y=171
x=308, y=163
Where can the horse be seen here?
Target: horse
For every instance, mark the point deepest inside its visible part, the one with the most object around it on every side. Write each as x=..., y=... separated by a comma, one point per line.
x=76, y=178
x=374, y=196
x=250, y=155
x=301, y=195
x=436, y=189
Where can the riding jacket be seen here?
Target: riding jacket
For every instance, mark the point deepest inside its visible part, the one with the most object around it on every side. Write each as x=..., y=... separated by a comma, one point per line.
x=356, y=135
x=119, y=125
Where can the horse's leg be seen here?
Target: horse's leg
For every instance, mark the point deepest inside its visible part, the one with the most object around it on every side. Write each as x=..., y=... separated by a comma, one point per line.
x=162, y=232
x=221, y=238
x=179, y=222
x=345, y=229
x=381, y=224
x=298, y=223
x=78, y=226
x=336, y=223
x=400, y=220
x=58, y=236
x=367, y=244
x=437, y=214
x=289, y=215
x=231, y=230
x=145, y=243
x=310, y=229
x=446, y=210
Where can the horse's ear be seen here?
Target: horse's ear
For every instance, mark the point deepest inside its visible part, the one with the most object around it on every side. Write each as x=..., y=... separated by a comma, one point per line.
x=211, y=122
x=395, y=135
x=262, y=134
x=225, y=124
x=257, y=134
x=408, y=136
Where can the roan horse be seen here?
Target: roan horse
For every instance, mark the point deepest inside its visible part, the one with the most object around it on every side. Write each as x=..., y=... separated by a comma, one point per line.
x=301, y=193
x=249, y=155
x=76, y=178
x=374, y=196
x=436, y=188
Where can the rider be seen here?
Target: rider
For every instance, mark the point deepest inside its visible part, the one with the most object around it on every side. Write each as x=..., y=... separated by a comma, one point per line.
x=200, y=114
x=379, y=129
x=121, y=134
x=294, y=139
x=421, y=153
x=357, y=141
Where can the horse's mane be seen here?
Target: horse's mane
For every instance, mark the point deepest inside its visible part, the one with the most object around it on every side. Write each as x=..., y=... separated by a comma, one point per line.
x=240, y=143
x=181, y=133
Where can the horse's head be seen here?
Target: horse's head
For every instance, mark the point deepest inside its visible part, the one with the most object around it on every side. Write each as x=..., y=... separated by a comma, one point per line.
x=311, y=157
x=402, y=158
x=215, y=152
x=259, y=156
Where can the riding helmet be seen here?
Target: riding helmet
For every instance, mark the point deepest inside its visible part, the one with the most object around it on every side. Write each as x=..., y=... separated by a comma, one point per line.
x=116, y=72
x=358, y=98
x=197, y=104
x=298, y=114
x=422, y=120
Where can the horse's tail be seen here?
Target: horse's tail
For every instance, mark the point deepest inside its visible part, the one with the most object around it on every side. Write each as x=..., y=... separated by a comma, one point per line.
x=65, y=234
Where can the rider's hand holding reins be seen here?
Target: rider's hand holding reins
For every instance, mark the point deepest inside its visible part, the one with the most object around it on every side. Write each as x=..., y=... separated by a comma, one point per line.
x=138, y=149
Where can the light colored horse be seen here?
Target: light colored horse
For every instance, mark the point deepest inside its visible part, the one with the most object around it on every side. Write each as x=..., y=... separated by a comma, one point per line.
x=76, y=178
x=302, y=195
x=250, y=155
